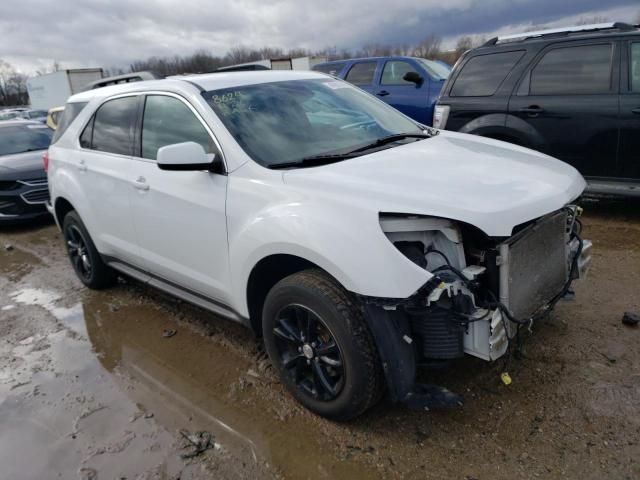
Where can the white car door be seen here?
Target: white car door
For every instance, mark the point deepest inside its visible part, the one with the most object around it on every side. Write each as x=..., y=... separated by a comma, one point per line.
x=179, y=216
x=103, y=165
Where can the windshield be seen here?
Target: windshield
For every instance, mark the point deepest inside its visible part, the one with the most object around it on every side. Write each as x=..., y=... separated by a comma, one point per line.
x=24, y=138
x=437, y=70
x=283, y=122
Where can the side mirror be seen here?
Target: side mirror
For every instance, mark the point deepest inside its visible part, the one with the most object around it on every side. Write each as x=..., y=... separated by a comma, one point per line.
x=413, y=77
x=188, y=156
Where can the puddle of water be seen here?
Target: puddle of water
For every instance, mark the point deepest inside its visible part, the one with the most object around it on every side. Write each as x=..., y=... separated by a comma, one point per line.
x=73, y=395
x=189, y=378
x=70, y=317
x=64, y=413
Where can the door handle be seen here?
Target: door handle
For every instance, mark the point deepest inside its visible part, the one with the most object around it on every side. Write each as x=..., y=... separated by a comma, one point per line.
x=382, y=93
x=82, y=166
x=636, y=111
x=141, y=184
x=532, y=111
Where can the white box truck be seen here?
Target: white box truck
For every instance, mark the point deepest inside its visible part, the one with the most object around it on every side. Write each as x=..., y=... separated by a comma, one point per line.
x=53, y=89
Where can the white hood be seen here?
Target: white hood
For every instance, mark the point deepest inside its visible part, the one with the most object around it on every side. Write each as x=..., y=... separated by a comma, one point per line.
x=489, y=184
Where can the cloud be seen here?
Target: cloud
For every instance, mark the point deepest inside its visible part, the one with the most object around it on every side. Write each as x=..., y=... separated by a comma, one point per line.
x=80, y=33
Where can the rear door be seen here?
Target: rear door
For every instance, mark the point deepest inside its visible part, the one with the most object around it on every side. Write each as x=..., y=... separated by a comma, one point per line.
x=363, y=74
x=409, y=98
x=569, y=99
x=629, y=151
x=179, y=215
x=103, y=165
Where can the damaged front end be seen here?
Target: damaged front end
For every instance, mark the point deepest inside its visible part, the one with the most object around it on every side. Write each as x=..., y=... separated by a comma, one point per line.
x=482, y=290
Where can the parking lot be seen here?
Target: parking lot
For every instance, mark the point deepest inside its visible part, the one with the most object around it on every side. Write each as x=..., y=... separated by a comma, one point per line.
x=96, y=386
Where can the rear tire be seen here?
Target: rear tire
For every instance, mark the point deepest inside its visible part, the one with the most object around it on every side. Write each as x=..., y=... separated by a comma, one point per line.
x=84, y=257
x=320, y=345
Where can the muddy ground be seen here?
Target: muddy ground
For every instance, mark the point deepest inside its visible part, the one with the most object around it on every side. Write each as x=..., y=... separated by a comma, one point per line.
x=91, y=389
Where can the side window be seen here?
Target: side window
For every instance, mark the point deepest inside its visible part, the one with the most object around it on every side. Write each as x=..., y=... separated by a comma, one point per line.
x=71, y=111
x=166, y=121
x=578, y=70
x=634, y=67
x=112, y=125
x=361, y=73
x=482, y=75
x=394, y=71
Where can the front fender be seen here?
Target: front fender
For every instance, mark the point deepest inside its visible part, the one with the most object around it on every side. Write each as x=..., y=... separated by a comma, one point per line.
x=346, y=241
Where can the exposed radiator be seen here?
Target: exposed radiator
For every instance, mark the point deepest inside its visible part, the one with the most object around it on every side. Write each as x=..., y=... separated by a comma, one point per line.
x=533, y=265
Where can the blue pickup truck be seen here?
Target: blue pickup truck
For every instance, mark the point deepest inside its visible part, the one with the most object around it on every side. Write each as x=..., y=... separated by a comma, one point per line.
x=409, y=84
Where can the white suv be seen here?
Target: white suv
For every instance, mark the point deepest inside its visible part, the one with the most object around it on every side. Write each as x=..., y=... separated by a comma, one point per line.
x=357, y=242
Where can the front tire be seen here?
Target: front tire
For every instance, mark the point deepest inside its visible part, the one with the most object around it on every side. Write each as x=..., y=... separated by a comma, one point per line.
x=318, y=342
x=84, y=257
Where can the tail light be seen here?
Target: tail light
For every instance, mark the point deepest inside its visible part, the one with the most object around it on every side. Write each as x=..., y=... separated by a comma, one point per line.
x=440, y=116
x=45, y=160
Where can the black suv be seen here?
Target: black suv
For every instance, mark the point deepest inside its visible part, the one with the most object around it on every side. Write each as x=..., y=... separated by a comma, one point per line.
x=572, y=93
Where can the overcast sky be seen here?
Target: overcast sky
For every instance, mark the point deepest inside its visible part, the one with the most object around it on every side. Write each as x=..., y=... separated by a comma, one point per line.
x=107, y=33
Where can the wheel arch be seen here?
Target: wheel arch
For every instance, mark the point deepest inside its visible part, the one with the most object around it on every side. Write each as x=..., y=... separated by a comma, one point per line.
x=264, y=275
x=61, y=207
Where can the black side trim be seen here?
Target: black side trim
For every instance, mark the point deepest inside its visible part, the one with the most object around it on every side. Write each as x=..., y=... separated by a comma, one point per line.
x=158, y=282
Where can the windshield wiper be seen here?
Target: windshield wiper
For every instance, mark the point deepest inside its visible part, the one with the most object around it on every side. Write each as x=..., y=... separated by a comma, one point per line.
x=325, y=159
x=390, y=139
x=314, y=160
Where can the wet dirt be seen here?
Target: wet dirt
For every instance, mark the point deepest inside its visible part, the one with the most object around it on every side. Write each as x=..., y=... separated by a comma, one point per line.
x=91, y=388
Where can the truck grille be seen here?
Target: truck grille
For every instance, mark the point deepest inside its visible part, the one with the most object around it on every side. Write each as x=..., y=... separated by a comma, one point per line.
x=534, y=265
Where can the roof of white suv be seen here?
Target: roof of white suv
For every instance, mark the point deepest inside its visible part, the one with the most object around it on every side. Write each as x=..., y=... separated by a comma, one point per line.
x=207, y=82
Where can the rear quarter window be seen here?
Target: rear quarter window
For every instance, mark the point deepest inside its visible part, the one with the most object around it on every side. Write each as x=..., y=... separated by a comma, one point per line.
x=482, y=75
x=71, y=111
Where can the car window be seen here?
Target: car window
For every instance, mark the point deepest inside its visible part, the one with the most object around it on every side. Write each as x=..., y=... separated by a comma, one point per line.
x=394, y=71
x=482, y=75
x=87, y=134
x=24, y=138
x=281, y=122
x=361, y=73
x=634, y=67
x=167, y=121
x=69, y=114
x=330, y=68
x=584, y=69
x=112, y=126
x=437, y=69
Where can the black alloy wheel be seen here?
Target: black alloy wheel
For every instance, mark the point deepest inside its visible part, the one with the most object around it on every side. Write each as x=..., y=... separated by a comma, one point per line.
x=309, y=352
x=320, y=346
x=84, y=257
x=78, y=252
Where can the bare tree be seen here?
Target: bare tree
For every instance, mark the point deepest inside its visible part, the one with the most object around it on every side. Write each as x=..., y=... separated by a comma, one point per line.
x=428, y=48
x=13, y=86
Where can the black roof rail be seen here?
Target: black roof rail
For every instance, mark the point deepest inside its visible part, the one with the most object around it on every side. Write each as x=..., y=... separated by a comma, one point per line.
x=596, y=27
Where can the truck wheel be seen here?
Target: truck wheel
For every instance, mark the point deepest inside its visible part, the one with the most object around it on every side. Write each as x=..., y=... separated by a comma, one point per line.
x=85, y=259
x=319, y=344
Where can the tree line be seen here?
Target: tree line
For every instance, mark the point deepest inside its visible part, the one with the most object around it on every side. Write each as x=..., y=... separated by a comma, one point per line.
x=202, y=61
